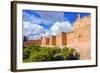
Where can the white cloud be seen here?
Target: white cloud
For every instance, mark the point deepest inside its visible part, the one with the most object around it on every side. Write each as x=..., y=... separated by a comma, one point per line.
x=32, y=30
x=59, y=27
x=35, y=31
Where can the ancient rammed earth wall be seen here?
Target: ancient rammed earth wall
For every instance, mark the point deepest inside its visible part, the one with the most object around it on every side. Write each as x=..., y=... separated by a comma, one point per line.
x=79, y=38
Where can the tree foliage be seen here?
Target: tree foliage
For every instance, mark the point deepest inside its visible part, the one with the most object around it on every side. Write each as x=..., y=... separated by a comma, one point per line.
x=39, y=54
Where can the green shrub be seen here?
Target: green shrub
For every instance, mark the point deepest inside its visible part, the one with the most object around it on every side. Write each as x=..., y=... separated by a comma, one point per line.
x=58, y=57
x=28, y=50
x=75, y=56
x=67, y=52
x=44, y=54
x=56, y=50
x=34, y=48
x=26, y=53
x=26, y=60
x=48, y=52
x=39, y=54
x=38, y=57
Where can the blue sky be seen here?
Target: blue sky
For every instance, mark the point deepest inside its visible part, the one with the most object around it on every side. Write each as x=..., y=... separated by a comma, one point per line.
x=47, y=23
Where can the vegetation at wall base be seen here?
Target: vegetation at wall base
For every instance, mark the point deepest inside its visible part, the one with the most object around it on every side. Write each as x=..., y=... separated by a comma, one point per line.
x=41, y=54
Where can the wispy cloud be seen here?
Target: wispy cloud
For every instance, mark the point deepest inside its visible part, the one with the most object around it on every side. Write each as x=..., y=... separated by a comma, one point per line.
x=31, y=16
x=49, y=17
x=42, y=17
